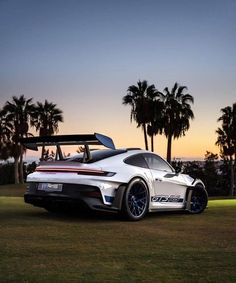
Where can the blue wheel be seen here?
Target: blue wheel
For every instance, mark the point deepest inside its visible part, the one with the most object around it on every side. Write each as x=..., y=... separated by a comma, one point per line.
x=198, y=201
x=136, y=199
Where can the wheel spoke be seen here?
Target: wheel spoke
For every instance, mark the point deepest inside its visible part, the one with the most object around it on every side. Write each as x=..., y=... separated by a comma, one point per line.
x=197, y=203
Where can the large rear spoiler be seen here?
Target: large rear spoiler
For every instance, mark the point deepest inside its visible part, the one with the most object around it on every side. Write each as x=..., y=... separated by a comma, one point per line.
x=33, y=143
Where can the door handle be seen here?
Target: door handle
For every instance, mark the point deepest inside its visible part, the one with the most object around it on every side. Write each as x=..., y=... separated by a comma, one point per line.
x=158, y=180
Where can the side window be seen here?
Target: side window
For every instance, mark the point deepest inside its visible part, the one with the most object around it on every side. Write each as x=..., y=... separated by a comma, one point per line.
x=136, y=160
x=157, y=163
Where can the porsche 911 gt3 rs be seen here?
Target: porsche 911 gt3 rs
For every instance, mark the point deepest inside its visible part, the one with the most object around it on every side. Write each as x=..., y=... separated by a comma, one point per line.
x=129, y=181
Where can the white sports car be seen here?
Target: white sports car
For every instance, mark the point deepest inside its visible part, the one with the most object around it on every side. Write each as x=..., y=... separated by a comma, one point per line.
x=129, y=181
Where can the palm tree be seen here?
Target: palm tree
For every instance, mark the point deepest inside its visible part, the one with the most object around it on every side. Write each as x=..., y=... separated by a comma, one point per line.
x=137, y=99
x=177, y=113
x=226, y=140
x=5, y=134
x=2, y=134
x=46, y=118
x=18, y=114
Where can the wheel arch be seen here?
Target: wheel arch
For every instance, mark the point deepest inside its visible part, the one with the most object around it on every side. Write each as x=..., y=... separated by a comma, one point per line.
x=198, y=182
x=117, y=203
x=139, y=177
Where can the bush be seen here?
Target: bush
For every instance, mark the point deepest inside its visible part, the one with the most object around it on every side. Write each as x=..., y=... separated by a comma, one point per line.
x=7, y=174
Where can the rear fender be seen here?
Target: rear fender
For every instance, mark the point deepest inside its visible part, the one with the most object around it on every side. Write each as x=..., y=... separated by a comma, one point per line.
x=118, y=200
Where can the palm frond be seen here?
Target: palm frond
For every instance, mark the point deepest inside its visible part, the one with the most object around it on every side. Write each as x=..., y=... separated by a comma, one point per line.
x=175, y=87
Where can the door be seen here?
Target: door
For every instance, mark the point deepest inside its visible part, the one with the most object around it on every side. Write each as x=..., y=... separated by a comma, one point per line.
x=169, y=187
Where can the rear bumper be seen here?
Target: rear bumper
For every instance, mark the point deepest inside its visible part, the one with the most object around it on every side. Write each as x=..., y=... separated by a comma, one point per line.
x=72, y=197
x=51, y=201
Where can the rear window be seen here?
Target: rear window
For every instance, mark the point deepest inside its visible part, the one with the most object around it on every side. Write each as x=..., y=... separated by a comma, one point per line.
x=136, y=160
x=96, y=155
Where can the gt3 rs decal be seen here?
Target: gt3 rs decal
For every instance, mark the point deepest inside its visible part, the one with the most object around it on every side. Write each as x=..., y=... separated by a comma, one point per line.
x=167, y=198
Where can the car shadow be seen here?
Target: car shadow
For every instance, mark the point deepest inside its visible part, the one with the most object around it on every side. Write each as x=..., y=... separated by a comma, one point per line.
x=83, y=215
x=94, y=216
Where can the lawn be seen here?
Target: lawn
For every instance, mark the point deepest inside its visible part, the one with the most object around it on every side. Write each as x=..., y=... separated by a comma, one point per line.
x=36, y=246
x=12, y=190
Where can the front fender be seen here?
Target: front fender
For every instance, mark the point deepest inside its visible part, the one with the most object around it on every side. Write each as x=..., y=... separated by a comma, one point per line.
x=197, y=182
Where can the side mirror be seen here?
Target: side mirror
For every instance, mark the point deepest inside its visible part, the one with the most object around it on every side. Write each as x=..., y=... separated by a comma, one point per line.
x=179, y=170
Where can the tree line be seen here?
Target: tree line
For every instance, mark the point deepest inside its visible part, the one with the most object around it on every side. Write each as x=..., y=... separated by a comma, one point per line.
x=17, y=117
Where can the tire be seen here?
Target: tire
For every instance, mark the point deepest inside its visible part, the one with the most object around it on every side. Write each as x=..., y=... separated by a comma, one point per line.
x=198, y=199
x=135, y=200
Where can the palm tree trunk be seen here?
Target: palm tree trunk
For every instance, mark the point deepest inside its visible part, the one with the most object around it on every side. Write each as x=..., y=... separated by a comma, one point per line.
x=169, y=142
x=152, y=142
x=42, y=153
x=21, y=171
x=145, y=136
x=16, y=167
x=231, y=176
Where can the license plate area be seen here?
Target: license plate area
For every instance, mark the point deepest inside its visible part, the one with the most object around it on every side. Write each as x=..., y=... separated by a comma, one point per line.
x=50, y=187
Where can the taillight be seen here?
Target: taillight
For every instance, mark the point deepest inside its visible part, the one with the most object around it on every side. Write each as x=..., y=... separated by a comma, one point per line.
x=101, y=173
x=80, y=171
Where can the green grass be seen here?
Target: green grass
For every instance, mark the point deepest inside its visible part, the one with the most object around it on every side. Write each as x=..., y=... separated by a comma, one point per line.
x=36, y=246
x=12, y=190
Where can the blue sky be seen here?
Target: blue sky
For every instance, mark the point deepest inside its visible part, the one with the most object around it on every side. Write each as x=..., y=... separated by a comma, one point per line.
x=83, y=55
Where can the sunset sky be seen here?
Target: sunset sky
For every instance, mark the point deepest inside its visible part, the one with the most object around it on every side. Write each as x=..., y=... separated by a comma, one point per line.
x=83, y=55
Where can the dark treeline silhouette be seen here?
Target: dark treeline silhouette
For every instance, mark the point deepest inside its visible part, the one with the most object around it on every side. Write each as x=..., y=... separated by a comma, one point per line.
x=213, y=171
x=16, y=119
x=167, y=112
x=226, y=140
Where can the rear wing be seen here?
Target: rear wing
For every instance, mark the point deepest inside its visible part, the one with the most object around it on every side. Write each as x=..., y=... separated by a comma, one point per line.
x=33, y=143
